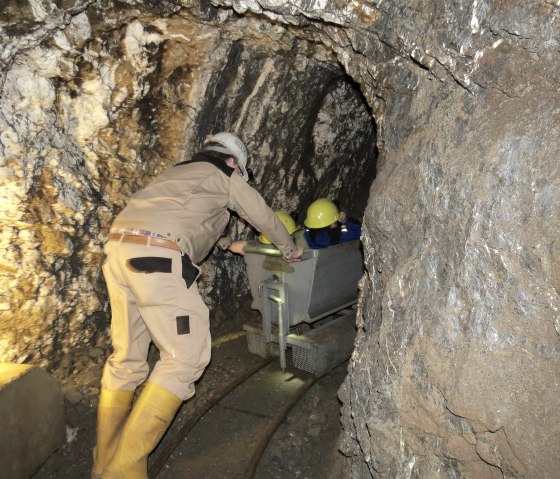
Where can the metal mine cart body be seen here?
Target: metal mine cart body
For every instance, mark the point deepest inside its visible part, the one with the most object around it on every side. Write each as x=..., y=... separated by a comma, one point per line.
x=305, y=305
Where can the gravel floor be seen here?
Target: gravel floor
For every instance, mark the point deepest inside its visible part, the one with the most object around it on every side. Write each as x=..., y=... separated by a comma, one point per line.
x=303, y=447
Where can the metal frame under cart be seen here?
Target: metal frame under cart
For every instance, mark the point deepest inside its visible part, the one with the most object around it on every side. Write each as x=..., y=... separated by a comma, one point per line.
x=305, y=306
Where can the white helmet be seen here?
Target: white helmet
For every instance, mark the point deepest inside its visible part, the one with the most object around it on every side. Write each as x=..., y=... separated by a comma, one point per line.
x=229, y=144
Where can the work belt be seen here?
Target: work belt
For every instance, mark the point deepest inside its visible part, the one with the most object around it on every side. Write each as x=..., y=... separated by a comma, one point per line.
x=147, y=240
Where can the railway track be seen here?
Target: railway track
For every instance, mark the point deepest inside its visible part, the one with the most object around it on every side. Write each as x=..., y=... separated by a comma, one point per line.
x=224, y=432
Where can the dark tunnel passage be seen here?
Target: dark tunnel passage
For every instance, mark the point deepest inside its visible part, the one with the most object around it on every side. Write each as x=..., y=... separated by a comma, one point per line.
x=318, y=134
x=311, y=135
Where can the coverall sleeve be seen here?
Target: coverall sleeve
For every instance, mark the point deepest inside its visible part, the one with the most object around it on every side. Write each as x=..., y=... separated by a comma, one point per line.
x=322, y=240
x=354, y=230
x=250, y=205
x=224, y=242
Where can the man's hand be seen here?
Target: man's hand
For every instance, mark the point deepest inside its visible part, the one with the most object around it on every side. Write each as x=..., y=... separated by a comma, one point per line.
x=296, y=258
x=342, y=217
x=238, y=247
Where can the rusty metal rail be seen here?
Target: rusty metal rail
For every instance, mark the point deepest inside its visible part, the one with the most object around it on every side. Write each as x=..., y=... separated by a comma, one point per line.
x=275, y=423
x=172, y=443
x=260, y=439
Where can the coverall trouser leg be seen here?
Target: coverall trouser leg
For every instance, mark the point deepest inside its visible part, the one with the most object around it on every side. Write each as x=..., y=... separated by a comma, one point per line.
x=151, y=301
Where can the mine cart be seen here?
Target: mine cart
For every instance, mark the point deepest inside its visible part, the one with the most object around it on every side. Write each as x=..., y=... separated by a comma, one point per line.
x=307, y=306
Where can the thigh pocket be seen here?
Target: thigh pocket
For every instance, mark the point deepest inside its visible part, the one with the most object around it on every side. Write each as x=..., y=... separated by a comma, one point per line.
x=149, y=264
x=183, y=325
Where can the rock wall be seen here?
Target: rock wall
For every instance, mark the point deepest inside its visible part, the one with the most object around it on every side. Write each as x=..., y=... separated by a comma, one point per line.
x=455, y=371
x=96, y=100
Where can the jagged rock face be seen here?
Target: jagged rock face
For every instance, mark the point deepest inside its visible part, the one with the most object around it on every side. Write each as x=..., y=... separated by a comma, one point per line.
x=455, y=371
x=109, y=99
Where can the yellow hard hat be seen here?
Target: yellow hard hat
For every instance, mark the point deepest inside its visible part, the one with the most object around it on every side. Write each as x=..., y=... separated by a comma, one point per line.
x=286, y=220
x=321, y=213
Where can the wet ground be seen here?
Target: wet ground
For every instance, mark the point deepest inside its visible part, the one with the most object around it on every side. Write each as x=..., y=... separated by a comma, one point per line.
x=303, y=447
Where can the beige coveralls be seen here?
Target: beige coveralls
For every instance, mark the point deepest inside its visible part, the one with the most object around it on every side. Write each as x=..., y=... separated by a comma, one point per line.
x=153, y=289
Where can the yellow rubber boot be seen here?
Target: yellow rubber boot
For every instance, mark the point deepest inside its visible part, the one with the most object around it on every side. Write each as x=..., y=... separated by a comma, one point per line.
x=112, y=411
x=151, y=416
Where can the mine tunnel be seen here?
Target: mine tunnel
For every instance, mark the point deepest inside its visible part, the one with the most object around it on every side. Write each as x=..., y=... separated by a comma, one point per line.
x=434, y=125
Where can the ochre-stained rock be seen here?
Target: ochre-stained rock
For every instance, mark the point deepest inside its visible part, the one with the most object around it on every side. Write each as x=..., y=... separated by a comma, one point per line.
x=455, y=370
